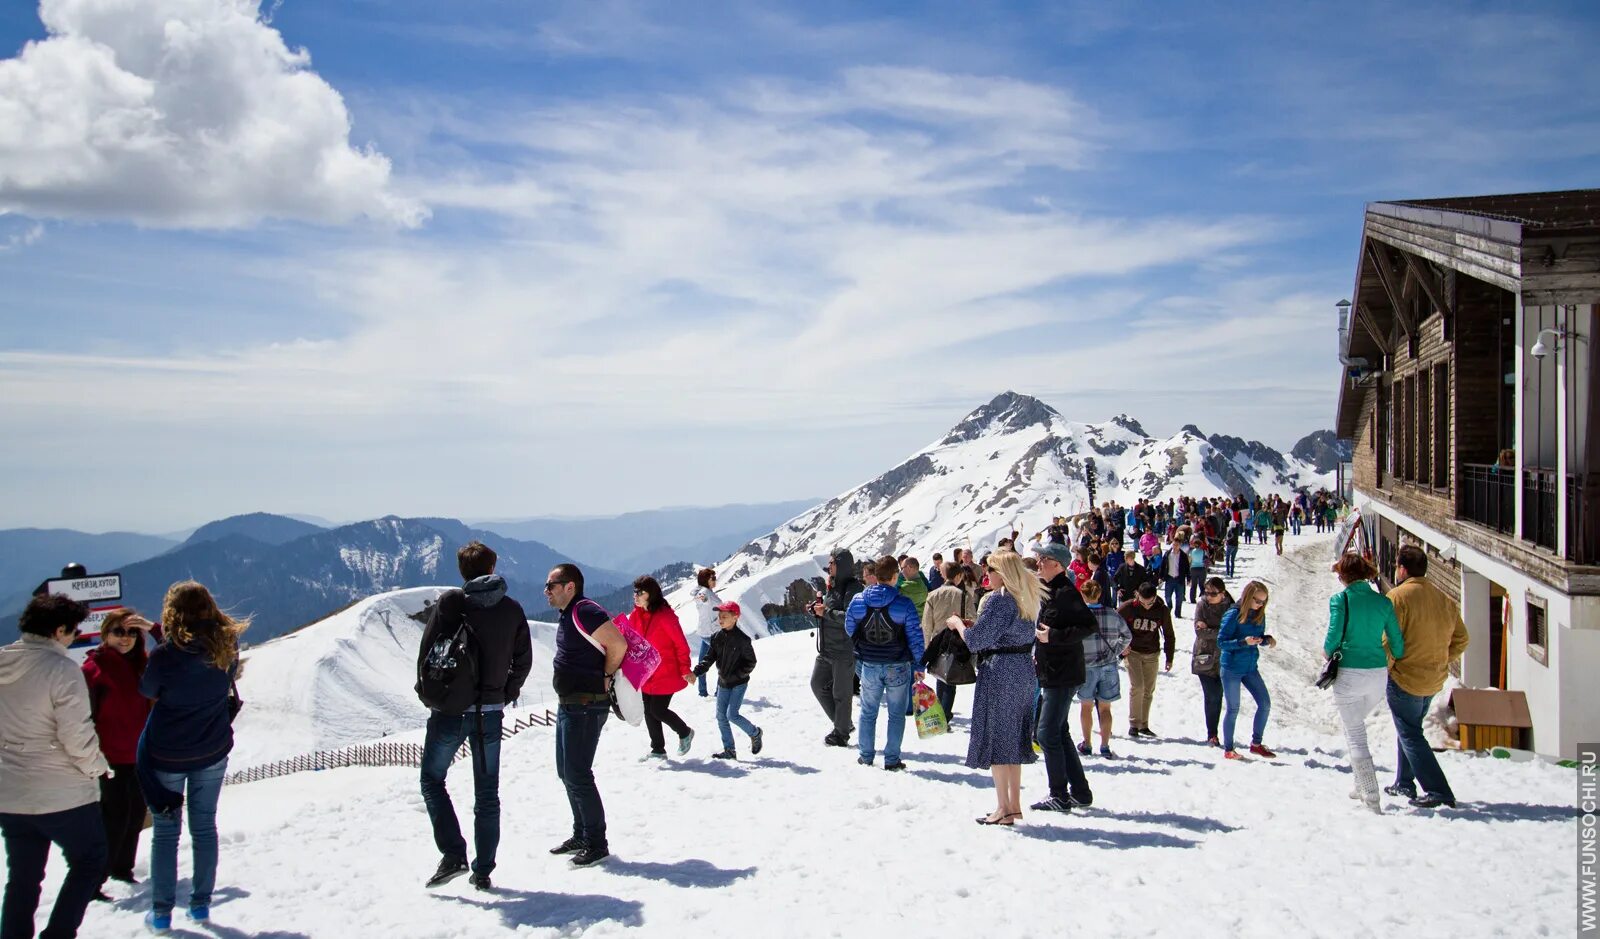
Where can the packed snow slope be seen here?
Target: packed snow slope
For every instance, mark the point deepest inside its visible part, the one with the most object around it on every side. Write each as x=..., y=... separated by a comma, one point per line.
x=349, y=679
x=1012, y=464
x=801, y=841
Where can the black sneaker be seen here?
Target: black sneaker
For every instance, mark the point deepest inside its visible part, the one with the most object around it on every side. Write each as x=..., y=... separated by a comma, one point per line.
x=755, y=743
x=571, y=846
x=894, y=767
x=481, y=882
x=1400, y=792
x=1052, y=804
x=449, y=869
x=590, y=855
x=1077, y=803
x=728, y=754
x=1430, y=801
x=864, y=760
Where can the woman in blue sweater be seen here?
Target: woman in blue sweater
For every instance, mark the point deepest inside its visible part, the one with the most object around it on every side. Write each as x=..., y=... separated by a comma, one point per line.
x=186, y=741
x=1240, y=638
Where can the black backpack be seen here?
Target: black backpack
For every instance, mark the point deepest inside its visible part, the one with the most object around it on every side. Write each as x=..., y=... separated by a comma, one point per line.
x=447, y=678
x=878, y=630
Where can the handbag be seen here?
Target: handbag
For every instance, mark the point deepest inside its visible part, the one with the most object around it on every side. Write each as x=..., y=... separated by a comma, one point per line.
x=235, y=703
x=1330, y=668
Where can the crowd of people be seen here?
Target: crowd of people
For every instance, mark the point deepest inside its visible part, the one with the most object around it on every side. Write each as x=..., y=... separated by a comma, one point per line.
x=1031, y=626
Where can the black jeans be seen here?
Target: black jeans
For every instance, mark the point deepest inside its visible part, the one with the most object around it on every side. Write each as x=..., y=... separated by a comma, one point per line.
x=122, y=807
x=1061, y=763
x=833, y=681
x=443, y=739
x=578, y=729
x=947, y=697
x=1211, y=687
x=82, y=836
x=657, y=710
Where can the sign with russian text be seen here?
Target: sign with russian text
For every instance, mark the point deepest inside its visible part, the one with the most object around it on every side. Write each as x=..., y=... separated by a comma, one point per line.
x=97, y=589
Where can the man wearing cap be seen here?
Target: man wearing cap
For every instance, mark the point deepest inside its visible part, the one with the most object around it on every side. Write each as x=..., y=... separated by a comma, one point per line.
x=833, y=677
x=1064, y=622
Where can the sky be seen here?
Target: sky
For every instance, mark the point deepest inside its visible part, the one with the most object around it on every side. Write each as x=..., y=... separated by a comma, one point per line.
x=500, y=259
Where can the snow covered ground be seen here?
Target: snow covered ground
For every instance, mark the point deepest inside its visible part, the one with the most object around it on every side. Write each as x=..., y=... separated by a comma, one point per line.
x=801, y=841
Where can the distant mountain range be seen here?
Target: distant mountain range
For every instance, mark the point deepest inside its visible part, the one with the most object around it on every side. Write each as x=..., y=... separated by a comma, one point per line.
x=645, y=541
x=31, y=555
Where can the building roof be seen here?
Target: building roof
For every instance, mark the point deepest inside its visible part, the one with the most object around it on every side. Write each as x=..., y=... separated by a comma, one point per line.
x=1571, y=208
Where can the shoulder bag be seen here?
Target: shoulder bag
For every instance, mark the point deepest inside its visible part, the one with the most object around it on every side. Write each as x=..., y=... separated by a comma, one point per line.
x=1330, y=668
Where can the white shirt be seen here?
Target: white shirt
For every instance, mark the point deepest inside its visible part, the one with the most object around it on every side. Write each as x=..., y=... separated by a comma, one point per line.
x=706, y=603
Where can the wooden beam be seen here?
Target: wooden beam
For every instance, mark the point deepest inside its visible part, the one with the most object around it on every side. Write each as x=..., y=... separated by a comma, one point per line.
x=1389, y=277
x=1365, y=318
x=1433, y=286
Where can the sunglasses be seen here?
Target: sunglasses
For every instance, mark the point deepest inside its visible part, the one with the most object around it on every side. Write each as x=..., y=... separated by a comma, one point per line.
x=122, y=632
x=550, y=585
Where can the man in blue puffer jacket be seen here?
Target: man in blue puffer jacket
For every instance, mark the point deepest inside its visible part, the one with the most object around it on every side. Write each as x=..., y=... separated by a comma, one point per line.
x=887, y=632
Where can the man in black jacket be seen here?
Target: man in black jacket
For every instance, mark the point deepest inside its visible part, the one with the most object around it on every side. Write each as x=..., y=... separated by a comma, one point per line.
x=1064, y=622
x=833, y=676
x=472, y=712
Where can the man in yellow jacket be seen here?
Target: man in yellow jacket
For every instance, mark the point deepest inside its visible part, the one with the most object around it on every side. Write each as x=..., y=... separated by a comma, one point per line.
x=1435, y=636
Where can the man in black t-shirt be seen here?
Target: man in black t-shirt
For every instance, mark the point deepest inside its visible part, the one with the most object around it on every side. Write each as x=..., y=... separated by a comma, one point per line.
x=589, y=650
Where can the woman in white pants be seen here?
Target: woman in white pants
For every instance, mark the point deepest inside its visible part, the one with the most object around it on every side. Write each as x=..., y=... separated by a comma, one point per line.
x=1361, y=624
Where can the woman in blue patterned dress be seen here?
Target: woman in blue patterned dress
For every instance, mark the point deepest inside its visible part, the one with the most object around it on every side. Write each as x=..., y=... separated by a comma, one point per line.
x=1002, y=702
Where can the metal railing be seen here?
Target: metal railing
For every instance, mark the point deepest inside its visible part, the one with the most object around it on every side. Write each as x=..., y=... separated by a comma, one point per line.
x=1488, y=496
x=1539, y=507
x=371, y=754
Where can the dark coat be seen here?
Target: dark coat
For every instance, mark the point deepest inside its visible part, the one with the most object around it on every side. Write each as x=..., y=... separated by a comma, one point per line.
x=733, y=654
x=832, y=640
x=505, y=650
x=1059, y=662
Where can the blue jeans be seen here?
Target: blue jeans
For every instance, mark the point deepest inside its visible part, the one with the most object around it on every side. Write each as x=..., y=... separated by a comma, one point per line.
x=578, y=729
x=729, y=701
x=1415, y=763
x=887, y=685
x=205, y=788
x=443, y=740
x=1172, y=592
x=1252, y=682
x=705, y=646
x=1054, y=731
x=1233, y=554
x=81, y=833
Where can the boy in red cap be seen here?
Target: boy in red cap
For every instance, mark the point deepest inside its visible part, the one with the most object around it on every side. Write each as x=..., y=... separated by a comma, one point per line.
x=735, y=657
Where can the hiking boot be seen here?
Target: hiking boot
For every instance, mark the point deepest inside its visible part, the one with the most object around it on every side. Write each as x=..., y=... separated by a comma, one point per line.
x=1052, y=804
x=685, y=742
x=1400, y=792
x=481, y=883
x=590, y=856
x=1262, y=751
x=894, y=767
x=727, y=754
x=449, y=869
x=570, y=846
x=1085, y=749
x=1430, y=801
x=835, y=739
x=755, y=742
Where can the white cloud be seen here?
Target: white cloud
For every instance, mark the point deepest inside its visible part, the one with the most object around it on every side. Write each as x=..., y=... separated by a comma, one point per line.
x=22, y=239
x=185, y=113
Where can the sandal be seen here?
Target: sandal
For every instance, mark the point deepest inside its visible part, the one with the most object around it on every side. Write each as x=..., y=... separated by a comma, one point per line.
x=1009, y=820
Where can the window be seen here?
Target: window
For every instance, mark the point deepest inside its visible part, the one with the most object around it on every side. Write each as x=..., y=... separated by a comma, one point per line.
x=1424, y=428
x=1538, y=640
x=1408, y=456
x=1443, y=456
x=1372, y=431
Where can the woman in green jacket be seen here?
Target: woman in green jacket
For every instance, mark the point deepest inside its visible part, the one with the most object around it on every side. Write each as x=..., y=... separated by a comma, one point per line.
x=1361, y=623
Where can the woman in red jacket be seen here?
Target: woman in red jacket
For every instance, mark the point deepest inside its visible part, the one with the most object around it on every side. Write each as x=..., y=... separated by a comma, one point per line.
x=112, y=671
x=653, y=619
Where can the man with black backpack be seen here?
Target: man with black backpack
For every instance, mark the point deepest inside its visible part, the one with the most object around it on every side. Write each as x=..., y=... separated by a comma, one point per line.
x=475, y=655
x=887, y=632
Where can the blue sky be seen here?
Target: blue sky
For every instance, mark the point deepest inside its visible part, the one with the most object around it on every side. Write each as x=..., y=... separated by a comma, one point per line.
x=503, y=258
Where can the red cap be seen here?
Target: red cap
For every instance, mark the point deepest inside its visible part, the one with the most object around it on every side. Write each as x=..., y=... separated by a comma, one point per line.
x=729, y=607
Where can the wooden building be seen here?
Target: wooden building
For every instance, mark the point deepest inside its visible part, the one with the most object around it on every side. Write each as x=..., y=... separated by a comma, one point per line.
x=1469, y=398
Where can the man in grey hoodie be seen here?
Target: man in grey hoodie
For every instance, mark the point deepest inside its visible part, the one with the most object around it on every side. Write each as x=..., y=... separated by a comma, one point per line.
x=833, y=676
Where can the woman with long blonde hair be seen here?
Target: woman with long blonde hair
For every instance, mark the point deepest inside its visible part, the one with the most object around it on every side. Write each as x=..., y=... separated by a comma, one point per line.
x=186, y=742
x=1240, y=638
x=1002, y=701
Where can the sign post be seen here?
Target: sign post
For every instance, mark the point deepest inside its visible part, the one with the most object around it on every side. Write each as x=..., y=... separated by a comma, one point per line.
x=102, y=593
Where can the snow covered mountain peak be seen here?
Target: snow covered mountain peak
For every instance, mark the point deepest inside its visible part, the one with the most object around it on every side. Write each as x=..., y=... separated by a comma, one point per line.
x=1011, y=464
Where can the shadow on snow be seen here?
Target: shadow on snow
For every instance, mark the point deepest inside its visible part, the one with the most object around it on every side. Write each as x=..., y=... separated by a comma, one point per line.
x=547, y=910
x=693, y=872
